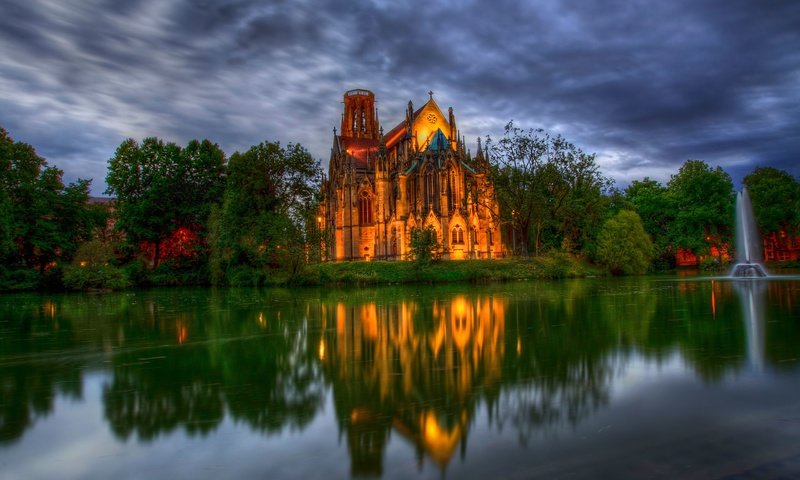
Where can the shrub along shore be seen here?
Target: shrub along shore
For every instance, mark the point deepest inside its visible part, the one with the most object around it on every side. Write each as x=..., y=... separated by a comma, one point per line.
x=551, y=266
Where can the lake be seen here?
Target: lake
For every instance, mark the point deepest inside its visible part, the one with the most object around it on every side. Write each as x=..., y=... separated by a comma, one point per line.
x=656, y=377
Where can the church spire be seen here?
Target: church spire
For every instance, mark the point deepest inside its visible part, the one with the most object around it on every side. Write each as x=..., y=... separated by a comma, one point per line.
x=453, y=131
x=480, y=159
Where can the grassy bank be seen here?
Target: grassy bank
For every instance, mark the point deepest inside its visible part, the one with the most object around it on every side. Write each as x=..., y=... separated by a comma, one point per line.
x=392, y=272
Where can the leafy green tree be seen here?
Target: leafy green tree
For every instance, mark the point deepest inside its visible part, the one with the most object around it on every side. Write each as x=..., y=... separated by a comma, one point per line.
x=41, y=220
x=549, y=192
x=703, y=199
x=424, y=244
x=160, y=187
x=775, y=195
x=623, y=245
x=656, y=208
x=271, y=194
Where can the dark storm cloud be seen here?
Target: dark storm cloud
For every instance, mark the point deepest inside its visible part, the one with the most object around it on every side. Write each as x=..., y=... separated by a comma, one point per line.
x=646, y=85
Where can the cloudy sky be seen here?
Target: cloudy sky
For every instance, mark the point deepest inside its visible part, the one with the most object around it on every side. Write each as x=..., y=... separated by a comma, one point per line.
x=643, y=84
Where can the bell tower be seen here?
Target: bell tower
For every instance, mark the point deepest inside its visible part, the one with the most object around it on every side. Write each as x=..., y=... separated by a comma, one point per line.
x=360, y=119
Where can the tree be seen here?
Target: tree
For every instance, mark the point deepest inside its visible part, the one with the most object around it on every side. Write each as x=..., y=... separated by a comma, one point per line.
x=656, y=208
x=160, y=187
x=703, y=200
x=548, y=190
x=623, y=245
x=42, y=221
x=271, y=194
x=423, y=245
x=775, y=195
x=585, y=200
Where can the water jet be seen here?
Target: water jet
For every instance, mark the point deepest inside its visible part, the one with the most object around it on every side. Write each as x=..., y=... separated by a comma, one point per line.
x=748, y=242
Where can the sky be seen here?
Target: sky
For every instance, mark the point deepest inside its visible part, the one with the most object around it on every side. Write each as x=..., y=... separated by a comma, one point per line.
x=645, y=85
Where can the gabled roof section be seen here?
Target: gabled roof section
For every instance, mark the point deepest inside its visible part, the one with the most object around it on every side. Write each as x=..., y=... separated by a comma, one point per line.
x=361, y=149
x=425, y=121
x=397, y=133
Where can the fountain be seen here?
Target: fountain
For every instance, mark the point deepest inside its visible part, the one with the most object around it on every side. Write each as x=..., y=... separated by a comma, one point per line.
x=748, y=249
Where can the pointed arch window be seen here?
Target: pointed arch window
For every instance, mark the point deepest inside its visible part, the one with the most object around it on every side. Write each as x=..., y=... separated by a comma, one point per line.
x=412, y=196
x=430, y=188
x=393, y=242
x=365, y=208
x=363, y=121
x=458, y=235
x=453, y=190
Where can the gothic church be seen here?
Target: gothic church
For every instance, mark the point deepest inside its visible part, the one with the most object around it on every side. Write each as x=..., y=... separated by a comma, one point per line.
x=380, y=186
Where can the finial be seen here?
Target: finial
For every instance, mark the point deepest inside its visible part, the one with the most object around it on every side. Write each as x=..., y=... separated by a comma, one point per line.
x=334, y=130
x=381, y=130
x=430, y=94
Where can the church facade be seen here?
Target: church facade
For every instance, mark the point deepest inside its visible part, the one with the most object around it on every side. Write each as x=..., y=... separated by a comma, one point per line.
x=382, y=185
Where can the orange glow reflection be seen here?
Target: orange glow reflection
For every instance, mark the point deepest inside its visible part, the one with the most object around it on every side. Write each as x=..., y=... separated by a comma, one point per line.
x=417, y=352
x=49, y=309
x=713, y=301
x=439, y=442
x=182, y=331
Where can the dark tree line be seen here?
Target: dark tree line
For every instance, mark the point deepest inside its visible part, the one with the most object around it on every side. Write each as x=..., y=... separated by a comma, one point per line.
x=189, y=215
x=245, y=219
x=179, y=215
x=552, y=196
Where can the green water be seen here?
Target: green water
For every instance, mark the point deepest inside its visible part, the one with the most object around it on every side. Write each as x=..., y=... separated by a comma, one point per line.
x=606, y=378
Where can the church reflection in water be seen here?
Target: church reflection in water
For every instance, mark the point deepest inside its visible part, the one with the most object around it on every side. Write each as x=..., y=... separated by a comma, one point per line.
x=419, y=372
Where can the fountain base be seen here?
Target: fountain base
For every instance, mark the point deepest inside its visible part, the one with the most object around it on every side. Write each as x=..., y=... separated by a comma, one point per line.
x=748, y=270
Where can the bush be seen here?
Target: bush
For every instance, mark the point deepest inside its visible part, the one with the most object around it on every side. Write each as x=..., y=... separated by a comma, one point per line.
x=103, y=277
x=712, y=264
x=556, y=265
x=180, y=272
x=18, y=279
x=424, y=245
x=623, y=246
x=137, y=274
x=93, y=269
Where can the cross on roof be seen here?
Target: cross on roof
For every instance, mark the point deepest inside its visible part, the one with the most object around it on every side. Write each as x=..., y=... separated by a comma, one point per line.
x=430, y=94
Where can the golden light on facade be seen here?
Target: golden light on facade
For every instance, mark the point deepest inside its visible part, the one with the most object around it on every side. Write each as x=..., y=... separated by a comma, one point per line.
x=322, y=349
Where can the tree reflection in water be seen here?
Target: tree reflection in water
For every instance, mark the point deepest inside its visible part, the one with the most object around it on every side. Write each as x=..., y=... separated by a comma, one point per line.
x=418, y=363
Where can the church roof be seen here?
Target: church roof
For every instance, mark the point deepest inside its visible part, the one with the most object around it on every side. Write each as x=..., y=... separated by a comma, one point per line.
x=439, y=142
x=396, y=134
x=360, y=149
